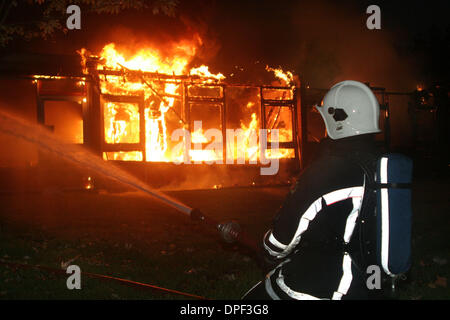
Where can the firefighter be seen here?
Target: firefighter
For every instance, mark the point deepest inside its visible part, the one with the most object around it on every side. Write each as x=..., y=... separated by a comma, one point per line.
x=314, y=246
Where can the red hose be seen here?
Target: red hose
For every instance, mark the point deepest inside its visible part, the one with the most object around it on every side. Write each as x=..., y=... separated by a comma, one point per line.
x=104, y=277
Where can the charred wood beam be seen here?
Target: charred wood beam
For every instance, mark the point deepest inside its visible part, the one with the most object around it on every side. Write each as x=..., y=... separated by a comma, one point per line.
x=122, y=98
x=205, y=100
x=278, y=103
x=153, y=75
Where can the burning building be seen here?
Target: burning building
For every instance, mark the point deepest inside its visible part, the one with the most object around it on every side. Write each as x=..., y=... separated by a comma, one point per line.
x=168, y=124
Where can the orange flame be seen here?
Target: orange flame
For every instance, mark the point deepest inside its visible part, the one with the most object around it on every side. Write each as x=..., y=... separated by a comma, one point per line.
x=122, y=120
x=285, y=76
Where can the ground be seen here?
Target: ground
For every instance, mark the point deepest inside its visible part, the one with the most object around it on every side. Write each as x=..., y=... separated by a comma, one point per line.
x=131, y=236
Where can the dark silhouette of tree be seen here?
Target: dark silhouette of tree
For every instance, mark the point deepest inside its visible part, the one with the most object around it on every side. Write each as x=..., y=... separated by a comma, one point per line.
x=28, y=19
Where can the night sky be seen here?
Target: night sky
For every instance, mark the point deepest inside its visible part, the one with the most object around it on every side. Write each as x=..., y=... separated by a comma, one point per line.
x=322, y=41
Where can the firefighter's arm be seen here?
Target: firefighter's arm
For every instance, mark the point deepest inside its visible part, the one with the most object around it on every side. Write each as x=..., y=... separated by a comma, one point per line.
x=282, y=239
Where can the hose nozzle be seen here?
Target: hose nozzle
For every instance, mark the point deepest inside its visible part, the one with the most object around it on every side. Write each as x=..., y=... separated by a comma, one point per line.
x=197, y=215
x=229, y=231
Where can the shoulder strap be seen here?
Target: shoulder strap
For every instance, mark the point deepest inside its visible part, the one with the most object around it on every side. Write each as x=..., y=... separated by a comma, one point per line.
x=366, y=220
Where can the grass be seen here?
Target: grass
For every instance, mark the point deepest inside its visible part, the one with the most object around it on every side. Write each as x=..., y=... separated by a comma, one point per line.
x=430, y=272
x=124, y=235
x=130, y=236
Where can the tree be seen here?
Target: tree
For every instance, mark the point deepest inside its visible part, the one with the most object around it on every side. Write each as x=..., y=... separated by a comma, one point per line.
x=49, y=16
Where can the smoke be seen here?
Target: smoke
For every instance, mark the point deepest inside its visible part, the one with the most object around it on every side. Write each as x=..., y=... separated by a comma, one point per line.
x=336, y=45
x=322, y=41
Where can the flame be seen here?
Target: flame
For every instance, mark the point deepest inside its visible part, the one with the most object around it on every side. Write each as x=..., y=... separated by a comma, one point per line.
x=39, y=76
x=149, y=60
x=285, y=76
x=250, y=133
x=203, y=71
x=122, y=119
x=88, y=184
x=203, y=155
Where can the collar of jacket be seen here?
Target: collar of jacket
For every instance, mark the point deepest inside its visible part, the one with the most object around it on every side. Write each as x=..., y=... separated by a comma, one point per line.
x=361, y=144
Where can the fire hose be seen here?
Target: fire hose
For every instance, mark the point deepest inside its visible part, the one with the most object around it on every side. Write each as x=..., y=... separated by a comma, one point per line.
x=103, y=277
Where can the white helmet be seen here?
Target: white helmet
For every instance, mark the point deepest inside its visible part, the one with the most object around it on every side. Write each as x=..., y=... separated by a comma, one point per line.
x=350, y=108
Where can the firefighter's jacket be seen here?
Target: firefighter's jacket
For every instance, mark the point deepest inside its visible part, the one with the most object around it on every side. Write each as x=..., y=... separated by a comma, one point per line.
x=315, y=239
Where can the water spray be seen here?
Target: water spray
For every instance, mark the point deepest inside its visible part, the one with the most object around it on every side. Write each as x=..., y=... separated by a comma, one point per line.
x=230, y=231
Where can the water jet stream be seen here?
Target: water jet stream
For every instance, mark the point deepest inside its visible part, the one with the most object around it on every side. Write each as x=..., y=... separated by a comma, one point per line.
x=79, y=156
